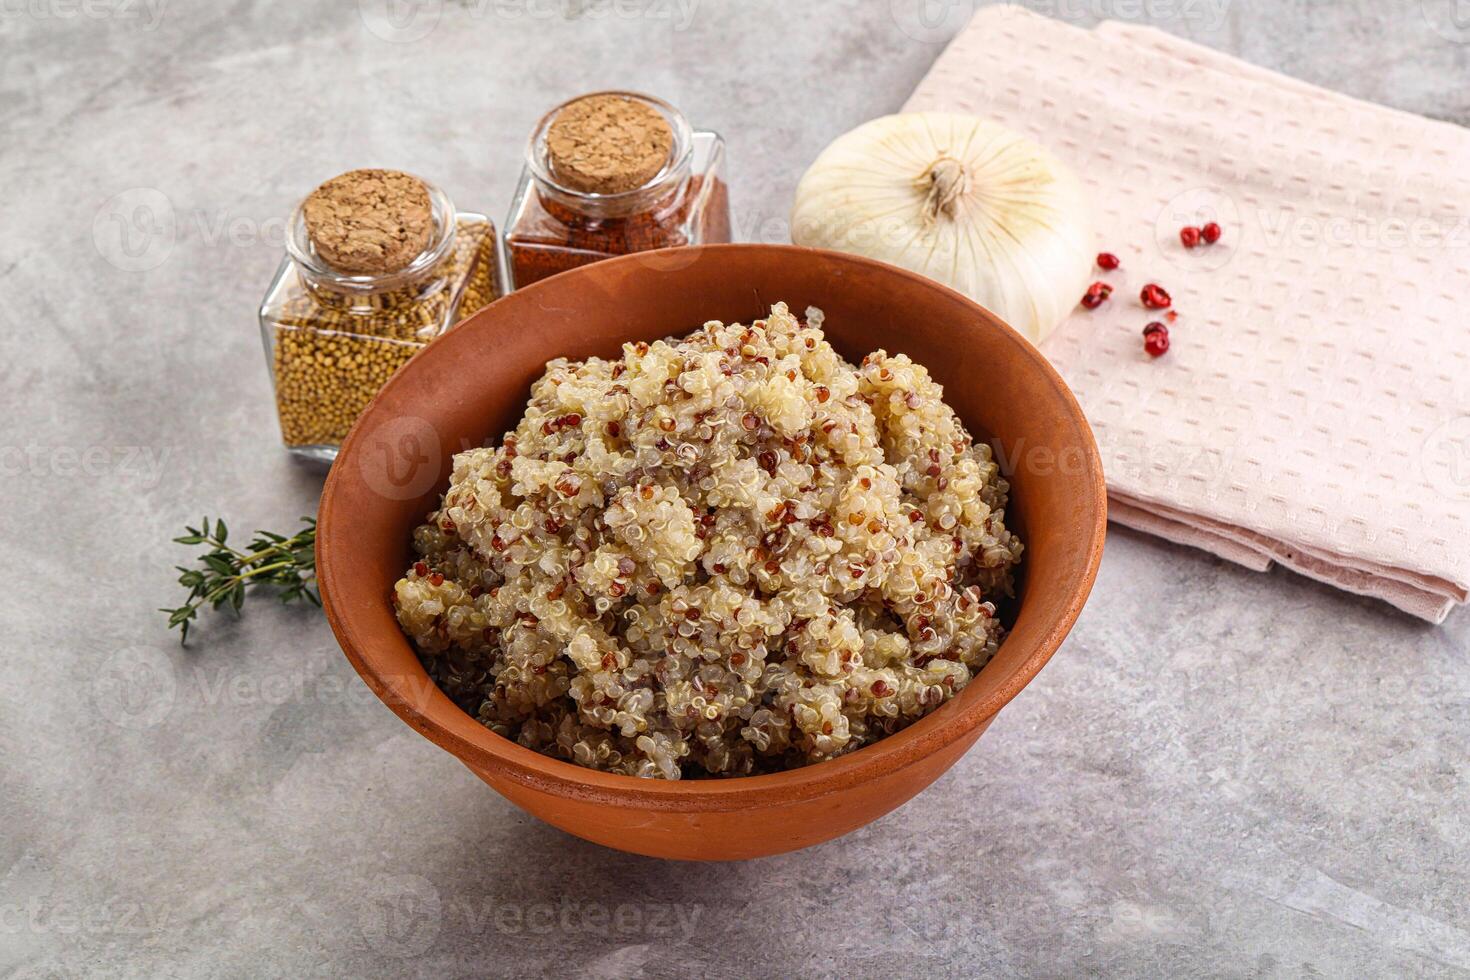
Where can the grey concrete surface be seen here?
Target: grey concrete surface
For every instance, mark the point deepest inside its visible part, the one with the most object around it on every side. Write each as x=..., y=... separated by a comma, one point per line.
x=1221, y=774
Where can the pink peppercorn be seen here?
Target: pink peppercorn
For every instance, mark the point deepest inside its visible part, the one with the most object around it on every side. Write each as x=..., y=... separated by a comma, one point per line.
x=1156, y=339
x=1154, y=297
x=1095, y=295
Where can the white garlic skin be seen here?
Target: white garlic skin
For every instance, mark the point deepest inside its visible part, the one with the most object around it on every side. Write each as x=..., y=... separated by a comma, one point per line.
x=1010, y=226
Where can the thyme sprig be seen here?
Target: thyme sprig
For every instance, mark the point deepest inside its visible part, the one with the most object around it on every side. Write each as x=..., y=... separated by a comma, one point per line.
x=224, y=574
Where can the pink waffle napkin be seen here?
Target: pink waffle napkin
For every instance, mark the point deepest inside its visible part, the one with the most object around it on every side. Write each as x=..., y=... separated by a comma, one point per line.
x=1315, y=407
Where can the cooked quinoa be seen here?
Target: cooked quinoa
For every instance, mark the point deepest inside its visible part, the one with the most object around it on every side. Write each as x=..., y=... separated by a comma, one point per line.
x=729, y=554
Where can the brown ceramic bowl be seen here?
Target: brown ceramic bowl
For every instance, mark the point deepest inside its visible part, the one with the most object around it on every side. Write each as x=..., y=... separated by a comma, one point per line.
x=472, y=385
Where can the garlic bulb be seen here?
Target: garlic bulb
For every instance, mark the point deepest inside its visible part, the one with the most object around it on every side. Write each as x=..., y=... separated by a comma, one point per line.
x=961, y=200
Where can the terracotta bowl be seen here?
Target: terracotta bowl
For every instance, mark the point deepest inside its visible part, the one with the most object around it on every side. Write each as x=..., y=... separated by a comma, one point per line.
x=472, y=385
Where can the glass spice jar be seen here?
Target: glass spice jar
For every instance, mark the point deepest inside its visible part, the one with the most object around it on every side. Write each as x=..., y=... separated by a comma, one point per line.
x=612, y=173
x=378, y=264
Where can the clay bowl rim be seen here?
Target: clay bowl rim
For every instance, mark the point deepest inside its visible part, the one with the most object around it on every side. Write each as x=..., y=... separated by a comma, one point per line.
x=483, y=750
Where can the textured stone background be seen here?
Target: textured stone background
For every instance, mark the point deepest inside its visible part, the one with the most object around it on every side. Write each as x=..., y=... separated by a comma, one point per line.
x=1222, y=773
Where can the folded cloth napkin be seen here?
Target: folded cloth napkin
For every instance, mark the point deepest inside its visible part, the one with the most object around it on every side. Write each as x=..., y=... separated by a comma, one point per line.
x=1315, y=407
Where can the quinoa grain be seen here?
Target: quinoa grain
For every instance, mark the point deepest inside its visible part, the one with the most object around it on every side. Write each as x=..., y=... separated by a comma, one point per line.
x=714, y=598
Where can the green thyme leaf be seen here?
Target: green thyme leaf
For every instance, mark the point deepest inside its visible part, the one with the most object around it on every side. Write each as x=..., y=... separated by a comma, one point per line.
x=224, y=575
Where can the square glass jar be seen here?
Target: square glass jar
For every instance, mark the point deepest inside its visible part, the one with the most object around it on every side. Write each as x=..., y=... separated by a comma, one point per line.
x=332, y=340
x=553, y=227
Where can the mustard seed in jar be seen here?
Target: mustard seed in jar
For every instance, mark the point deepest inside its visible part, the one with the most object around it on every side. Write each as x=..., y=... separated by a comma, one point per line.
x=379, y=264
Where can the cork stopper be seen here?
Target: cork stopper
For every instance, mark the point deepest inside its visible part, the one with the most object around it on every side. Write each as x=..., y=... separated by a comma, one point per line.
x=370, y=222
x=606, y=144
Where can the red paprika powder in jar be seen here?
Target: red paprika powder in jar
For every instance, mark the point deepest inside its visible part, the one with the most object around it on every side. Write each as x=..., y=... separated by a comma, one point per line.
x=612, y=173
